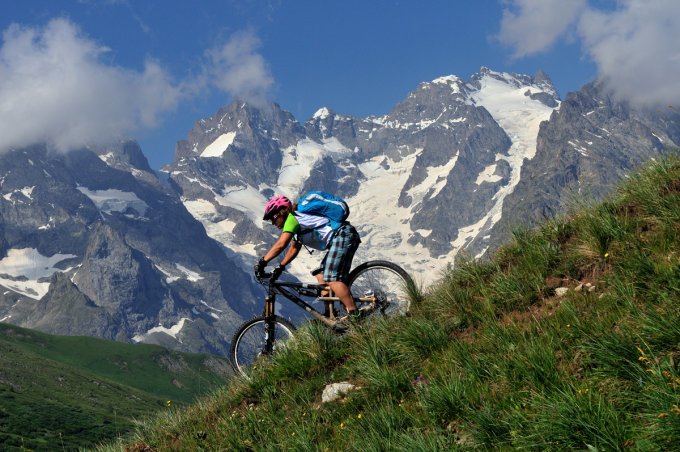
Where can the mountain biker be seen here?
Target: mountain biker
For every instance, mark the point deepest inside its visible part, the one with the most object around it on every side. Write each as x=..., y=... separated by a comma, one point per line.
x=313, y=231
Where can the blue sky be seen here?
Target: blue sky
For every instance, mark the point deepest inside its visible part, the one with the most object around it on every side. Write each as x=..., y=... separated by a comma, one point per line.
x=75, y=72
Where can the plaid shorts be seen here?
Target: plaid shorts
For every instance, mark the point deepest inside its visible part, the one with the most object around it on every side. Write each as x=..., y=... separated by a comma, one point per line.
x=337, y=262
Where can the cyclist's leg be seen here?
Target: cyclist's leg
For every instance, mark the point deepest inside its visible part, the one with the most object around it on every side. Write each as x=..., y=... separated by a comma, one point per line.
x=338, y=262
x=342, y=291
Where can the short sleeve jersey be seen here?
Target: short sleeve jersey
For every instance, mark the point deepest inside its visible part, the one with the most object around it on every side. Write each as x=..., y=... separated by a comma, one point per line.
x=310, y=230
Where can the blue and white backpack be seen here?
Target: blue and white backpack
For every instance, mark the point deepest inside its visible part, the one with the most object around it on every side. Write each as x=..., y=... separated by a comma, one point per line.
x=324, y=205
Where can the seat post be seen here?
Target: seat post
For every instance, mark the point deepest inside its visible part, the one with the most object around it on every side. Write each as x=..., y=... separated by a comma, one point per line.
x=328, y=310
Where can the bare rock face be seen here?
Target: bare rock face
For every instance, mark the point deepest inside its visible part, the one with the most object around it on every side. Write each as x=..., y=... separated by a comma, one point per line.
x=591, y=143
x=93, y=243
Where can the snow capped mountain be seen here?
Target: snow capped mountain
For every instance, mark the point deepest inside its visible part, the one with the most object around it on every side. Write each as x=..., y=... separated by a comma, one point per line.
x=422, y=181
x=92, y=243
x=452, y=168
x=589, y=144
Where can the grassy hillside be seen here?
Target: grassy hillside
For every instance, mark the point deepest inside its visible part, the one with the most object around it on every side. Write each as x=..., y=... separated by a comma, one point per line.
x=568, y=339
x=61, y=393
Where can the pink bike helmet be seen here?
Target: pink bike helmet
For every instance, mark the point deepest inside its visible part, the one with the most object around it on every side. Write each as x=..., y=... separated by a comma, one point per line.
x=274, y=204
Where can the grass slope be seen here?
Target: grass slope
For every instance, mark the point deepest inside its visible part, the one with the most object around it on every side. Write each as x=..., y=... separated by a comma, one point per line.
x=567, y=339
x=62, y=393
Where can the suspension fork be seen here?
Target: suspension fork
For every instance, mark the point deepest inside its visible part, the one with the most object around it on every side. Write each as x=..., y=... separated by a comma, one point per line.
x=269, y=323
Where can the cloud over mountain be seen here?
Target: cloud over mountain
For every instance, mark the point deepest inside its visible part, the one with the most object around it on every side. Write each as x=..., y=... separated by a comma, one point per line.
x=636, y=46
x=532, y=26
x=60, y=87
x=239, y=70
x=57, y=87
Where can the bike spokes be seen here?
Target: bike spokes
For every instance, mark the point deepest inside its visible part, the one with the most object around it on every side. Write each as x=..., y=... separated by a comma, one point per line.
x=386, y=284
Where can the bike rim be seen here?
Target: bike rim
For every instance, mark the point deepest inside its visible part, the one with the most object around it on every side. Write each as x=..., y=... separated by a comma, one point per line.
x=385, y=283
x=251, y=343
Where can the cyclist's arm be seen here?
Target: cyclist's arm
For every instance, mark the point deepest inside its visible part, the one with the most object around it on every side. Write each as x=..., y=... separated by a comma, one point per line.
x=279, y=246
x=292, y=253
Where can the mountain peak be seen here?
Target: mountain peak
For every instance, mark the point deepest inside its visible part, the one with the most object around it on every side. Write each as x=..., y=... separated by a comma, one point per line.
x=541, y=76
x=447, y=79
x=323, y=113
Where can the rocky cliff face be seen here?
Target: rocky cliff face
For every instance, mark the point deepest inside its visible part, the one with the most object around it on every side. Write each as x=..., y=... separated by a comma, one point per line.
x=590, y=143
x=423, y=180
x=94, y=244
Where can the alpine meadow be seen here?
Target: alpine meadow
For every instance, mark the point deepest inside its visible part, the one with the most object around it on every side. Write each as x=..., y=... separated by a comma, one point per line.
x=568, y=338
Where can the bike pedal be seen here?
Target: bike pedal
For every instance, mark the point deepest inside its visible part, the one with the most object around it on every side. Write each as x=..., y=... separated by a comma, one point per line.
x=340, y=328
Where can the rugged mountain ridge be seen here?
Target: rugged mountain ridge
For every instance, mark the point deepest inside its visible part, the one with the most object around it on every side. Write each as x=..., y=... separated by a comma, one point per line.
x=590, y=144
x=94, y=244
x=453, y=167
x=422, y=180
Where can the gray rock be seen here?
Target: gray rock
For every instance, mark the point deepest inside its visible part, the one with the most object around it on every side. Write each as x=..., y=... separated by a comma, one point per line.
x=335, y=391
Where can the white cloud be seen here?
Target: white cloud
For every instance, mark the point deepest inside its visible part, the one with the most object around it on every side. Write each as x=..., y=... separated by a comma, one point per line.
x=533, y=26
x=56, y=88
x=637, y=49
x=238, y=69
x=636, y=46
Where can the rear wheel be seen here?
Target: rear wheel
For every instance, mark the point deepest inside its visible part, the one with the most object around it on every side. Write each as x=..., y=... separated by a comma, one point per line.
x=249, y=342
x=387, y=282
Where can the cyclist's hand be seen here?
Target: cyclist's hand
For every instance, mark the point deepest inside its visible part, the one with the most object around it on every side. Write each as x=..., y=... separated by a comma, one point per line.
x=259, y=268
x=277, y=272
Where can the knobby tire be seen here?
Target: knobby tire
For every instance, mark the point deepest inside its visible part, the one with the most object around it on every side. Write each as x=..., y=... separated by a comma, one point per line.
x=249, y=341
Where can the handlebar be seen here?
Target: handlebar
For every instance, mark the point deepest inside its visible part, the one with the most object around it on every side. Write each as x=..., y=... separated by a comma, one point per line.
x=264, y=277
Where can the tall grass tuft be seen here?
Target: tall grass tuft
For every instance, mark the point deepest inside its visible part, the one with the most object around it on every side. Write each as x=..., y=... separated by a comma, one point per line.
x=574, y=419
x=457, y=297
x=383, y=368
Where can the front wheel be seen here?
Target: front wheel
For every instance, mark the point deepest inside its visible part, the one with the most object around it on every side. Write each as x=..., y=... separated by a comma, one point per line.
x=250, y=341
x=387, y=282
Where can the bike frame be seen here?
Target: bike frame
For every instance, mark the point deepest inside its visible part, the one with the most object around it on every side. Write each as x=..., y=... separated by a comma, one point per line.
x=315, y=290
x=283, y=288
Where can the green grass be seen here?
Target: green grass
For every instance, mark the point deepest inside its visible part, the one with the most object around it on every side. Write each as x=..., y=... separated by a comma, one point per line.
x=490, y=357
x=71, y=392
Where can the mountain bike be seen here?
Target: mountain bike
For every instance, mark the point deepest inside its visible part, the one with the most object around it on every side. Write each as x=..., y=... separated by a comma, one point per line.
x=379, y=288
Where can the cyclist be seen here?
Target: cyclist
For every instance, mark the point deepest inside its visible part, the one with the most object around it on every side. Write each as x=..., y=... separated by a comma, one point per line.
x=313, y=231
